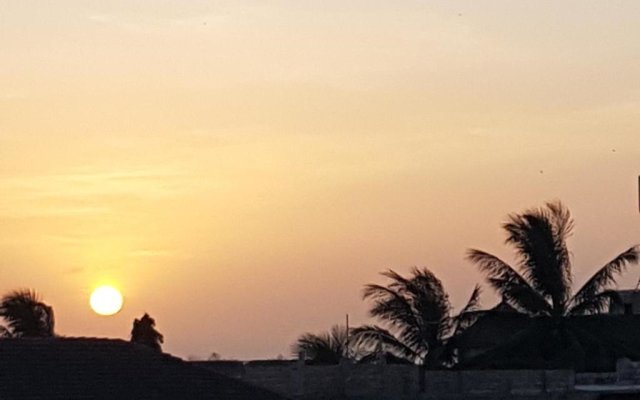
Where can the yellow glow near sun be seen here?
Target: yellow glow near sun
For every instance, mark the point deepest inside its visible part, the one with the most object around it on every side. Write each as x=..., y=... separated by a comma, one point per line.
x=106, y=300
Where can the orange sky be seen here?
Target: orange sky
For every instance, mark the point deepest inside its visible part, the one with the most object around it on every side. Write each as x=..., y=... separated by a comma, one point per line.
x=241, y=169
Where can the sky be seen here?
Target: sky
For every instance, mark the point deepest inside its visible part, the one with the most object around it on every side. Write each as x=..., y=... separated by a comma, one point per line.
x=240, y=169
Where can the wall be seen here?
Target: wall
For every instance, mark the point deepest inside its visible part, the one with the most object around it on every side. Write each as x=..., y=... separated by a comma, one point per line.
x=296, y=380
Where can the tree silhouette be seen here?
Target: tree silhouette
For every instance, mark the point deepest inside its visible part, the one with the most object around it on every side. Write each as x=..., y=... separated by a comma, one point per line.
x=540, y=285
x=25, y=315
x=145, y=333
x=416, y=314
x=324, y=348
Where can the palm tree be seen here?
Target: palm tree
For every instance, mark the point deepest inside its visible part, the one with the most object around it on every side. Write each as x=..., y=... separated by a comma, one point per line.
x=417, y=319
x=26, y=315
x=145, y=333
x=324, y=348
x=540, y=285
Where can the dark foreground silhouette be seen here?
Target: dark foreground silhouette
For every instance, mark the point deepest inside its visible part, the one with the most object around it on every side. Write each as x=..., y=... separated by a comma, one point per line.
x=101, y=369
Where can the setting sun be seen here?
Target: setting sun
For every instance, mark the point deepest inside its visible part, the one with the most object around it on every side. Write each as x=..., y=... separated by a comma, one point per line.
x=106, y=300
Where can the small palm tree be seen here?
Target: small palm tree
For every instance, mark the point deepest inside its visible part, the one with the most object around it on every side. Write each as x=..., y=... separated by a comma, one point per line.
x=417, y=319
x=145, y=333
x=26, y=315
x=324, y=348
x=541, y=283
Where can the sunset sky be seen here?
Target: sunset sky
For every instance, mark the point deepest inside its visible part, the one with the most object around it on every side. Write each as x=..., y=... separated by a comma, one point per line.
x=240, y=169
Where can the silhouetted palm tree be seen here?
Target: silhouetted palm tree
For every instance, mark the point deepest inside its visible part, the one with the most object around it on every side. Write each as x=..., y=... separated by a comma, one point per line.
x=416, y=313
x=324, y=348
x=25, y=315
x=541, y=283
x=145, y=333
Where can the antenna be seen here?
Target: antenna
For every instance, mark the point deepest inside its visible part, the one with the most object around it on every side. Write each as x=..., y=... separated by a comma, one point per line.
x=347, y=325
x=347, y=340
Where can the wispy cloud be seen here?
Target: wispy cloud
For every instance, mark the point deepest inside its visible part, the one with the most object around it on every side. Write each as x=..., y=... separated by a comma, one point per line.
x=13, y=96
x=158, y=23
x=83, y=193
x=151, y=253
x=75, y=270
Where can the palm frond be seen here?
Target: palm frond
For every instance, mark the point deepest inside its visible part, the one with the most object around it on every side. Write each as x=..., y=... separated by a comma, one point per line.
x=376, y=338
x=563, y=225
x=469, y=313
x=328, y=347
x=390, y=305
x=510, y=284
x=5, y=332
x=473, y=304
x=26, y=315
x=605, y=276
x=415, y=308
x=539, y=236
x=562, y=220
x=432, y=304
x=397, y=281
x=397, y=310
x=596, y=304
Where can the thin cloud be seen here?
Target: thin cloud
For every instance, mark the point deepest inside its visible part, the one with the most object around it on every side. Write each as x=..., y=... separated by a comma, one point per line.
x=151, y=253
x=85, y=193
x=158, y=24
x=75, y=270
x=13, y=96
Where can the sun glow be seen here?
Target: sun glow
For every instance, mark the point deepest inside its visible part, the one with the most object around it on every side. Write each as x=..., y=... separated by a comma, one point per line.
x=106, y=300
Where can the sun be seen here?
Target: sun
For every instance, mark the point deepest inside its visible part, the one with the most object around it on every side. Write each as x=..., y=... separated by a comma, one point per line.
x=106, y=300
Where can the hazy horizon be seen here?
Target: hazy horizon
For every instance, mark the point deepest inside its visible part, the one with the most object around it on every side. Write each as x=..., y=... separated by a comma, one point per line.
x=240, y=169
